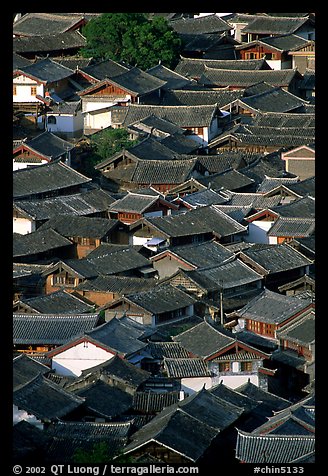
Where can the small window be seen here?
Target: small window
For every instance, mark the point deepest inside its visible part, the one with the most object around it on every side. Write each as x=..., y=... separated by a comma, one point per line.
x=52, y=120
x=33, y=90
x=14, y=90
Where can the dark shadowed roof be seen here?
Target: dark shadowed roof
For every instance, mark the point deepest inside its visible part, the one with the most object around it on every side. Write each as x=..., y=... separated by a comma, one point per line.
x=173, y=79
x=55, y=329
x=273, y=25
x=45, y=70
x=45, y=399
x=38, y=24
x=44, y=178
x=25, y=368
x=58, y=302
x=38, y=242
x=49, y=43
x=49, y=145
x=72, y=225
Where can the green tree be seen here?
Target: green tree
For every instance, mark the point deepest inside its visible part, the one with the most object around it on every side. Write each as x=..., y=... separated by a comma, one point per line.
x=132, y=38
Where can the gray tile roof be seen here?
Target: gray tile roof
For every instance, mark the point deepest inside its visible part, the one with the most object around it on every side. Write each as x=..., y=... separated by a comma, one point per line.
x=274, y=100
x=272, y=448
x=303, y=207
x=276, y=119
x=173, y=79
x=204, y=340
x=194, y=67
x=272, y=307
x=190, y=97
x=270, y=400
x=285, y=42
x=162, y=298
x=133, y=202
x=151, y=402
x=49, y=43
x=197, y=221
x=172, y=350
x=203, y=198
x=302, y=331
x=25, y=368
x=38, y=242
x=54, y=329
x=97, y=396
x=186, y=368
x=163, y=171
x=45, y=70
x=204, y=24
x=58, y=302
x=304, y=187
x=85, y=203
x=182, y=116
x=119, y=370
x=291, y=226
x=44, y=399
x=117, y=284
x=230, y=395
x=104, y=69
x=270, y=183
x=19, y=61
x=49, y=145
x=38, y=24
x=72, y=226
x=244, y=78
x=272, y=25
x=44, y=178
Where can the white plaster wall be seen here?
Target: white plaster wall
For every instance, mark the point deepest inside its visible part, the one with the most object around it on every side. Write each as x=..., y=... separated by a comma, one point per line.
x=257, y=232
x=234, y=381
x=23, y=89
x=23, y=226
x=23, y=165
x=67, y=123
x=75, y=359
x=194, y=384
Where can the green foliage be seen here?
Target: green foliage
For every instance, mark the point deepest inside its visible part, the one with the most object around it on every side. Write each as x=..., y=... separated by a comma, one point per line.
x=132, y=38
x=98, y=454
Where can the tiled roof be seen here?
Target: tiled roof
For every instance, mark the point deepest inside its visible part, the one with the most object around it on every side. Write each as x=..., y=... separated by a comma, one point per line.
x=249, y=199
x=203, y=198
x=188, y=97
x=276, y=119
x=85, y=203
x=162, y=298
x=272, y=307
x=117, y=284
x=270, y=183
x=285, y=42
x=58, y=302
x=25, y=368
x=163, y=171
x=49, y=43
x=44, y=178
x=194, y=67
x=225, y=275
x=186, y=368
x=49, y=145
x=151, y=402
x=44, y=399
x=205, y=24
x=303, y=207
x=304, y=187
x=104, y=69
x=183, y=116
x=251, y=448
x=38, y=242
x=45, y=70
x=28, y=270
x=197, y=221
x=291, y=226
x=53, y=329
x=272, y=401
x=19, y=61
x=204, y=340
x=244, y=78
x=274, y=100
x=38, y=24
x=172, y=350
x=72, y=225
x=232, y=396
x=301, y=331
x=173, y=79
x=274, y=25
x=133, y=202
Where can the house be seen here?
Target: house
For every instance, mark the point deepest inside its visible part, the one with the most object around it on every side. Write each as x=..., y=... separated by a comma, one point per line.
x=277, y=50
x=38, y=24
x=31, y=213
x=68, y=439
x=64, y=118
x=188, y=257
x=195, y=226
x=35, y=84
x=287, y=79
x=134, y=206
x=39, y=332
x=27, y=280
x=87, y=233
x=50, y=179
x=202, y=121
x=173, y=80
x=287, y=437
x=25, y=368
x=60, y=302
x=131, y=86
x=286, y=229
x=42, y=247
x=300, y=161
x=154, y=307
x=305, y=284
x=201, y=198
x=229, y=359
x=195, y=67
x=193, y=373
x=40, y=401
x=269, y=311
x=105, y=260
x=67, y=43
x=270, y=25
x=115, y=337
x=41, y=149
x=104, y=289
